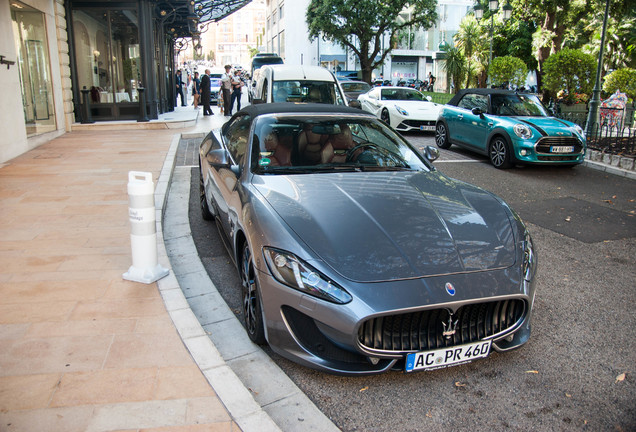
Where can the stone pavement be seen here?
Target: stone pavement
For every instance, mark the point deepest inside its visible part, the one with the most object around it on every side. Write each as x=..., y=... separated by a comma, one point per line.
x=81, y=349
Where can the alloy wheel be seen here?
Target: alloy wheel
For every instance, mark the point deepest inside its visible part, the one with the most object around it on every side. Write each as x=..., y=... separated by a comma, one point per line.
x=251, y=302
x=499, y=155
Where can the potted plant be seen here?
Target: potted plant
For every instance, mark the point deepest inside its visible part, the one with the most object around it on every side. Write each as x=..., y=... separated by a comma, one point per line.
x=570, y=74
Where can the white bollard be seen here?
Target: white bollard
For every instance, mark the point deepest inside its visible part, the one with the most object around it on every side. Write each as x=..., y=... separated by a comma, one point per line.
x=143, y=231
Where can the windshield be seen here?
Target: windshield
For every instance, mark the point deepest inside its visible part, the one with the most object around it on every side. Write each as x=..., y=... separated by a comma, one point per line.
x=360, y=87
x=402, y=94
x=517, y=105
x=324, y=143
x=215, y=82
x=326, y=92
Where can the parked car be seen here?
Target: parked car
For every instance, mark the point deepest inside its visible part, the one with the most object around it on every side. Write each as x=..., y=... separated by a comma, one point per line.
x=510, y=128
x=355, y=255
x=353, y=89
x=348, y=75
x=415, y=83
x=286, y=83
x=405, y=109
x=259, y=61
x=381, y=82
x=215, y=89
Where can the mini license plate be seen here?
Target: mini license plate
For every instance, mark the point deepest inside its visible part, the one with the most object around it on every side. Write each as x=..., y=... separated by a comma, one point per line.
x=445, y=357
x=427, y=128
x=561, y=149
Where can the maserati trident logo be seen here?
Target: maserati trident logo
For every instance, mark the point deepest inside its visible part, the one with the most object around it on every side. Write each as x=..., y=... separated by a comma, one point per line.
x=450, y=289
x=450, y=328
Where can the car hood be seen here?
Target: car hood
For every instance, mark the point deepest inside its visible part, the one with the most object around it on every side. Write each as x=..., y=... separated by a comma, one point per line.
x=413, y=106
x=548, y=125
x=395, y=225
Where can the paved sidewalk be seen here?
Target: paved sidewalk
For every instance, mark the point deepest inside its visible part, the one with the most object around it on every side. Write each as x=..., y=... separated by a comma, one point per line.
x=81, y=349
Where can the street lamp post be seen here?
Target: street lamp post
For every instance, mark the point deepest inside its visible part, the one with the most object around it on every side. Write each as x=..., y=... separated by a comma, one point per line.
x=592, y=115
x=493, y=6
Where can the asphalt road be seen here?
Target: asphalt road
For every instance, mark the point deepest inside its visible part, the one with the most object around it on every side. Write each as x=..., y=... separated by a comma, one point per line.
x=576, y=373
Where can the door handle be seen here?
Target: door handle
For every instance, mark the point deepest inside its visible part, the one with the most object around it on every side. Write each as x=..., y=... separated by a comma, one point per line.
x=461, y=116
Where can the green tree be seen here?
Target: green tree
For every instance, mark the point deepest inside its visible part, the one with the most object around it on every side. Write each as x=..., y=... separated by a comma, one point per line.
x=570, y=71
x=508, y=70
x=623, y=80
x=360, y=25
x=253, y=51
x=455, y=66
x=620, y=41
x=469, y=39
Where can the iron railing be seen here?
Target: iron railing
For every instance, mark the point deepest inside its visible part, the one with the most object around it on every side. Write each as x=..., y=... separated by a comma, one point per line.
x=613, y=134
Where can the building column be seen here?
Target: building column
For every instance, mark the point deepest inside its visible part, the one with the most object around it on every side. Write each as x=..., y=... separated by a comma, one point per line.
x=65, y=64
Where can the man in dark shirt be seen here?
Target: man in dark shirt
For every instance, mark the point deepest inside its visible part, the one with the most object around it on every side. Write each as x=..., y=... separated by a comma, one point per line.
x=179, y=82
x=206, y=93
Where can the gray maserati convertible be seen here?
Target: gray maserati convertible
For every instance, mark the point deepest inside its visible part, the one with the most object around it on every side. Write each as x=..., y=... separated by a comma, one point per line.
x=356, y=255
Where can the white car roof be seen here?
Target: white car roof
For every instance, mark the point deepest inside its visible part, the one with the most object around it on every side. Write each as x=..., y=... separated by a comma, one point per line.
x=300, y=72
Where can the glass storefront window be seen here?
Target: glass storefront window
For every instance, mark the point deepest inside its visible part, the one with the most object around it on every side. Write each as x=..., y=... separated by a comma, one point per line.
x=34, y=68
x=107, y=54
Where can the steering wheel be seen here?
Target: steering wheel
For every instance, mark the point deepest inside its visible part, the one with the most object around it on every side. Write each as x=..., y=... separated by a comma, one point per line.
x=366, y=144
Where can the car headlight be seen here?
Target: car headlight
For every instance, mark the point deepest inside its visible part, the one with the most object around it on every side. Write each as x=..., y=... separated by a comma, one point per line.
x=529, y=258
x=401, y=110
x=522, y=131
x=291, y=271
x=580, y=131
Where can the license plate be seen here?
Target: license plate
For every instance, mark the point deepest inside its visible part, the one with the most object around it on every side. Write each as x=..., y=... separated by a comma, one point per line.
x=561, y=149
x=445, y=357
x=427, y=128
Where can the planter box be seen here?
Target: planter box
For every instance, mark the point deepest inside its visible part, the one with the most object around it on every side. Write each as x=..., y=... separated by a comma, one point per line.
x=575, y=108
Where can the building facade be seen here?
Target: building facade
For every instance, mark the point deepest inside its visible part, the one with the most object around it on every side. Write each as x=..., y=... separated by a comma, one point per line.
x=232, y=38
x=69, y=61
x=418, y=52
x=34, y=75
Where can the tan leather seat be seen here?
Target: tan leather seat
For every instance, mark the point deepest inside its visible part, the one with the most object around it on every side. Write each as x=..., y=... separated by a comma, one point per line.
x=340, y=144
x=310, y=147
x=314, y=95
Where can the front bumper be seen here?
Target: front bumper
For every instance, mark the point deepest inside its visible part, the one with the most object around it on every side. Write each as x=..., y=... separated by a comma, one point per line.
x=541, y=151
x=335, y=338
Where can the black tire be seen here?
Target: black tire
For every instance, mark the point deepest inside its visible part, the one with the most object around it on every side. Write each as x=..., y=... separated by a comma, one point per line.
x=252, y=312
x=441, y=136
x=499, y=153
x=206, y=214
x=384, y=116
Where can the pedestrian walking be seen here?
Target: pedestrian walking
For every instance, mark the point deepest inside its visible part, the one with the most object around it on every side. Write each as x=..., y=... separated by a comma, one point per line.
x=206, y=93
x=237, y=85
x=196, y=90
x=226, y=88
x=179, y=82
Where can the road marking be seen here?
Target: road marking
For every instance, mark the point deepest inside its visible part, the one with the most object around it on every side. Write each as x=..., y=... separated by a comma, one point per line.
x=457, y=161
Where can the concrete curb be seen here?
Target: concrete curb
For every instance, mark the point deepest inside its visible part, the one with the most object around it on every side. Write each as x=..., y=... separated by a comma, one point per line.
x=615, y=170
x=256, y=392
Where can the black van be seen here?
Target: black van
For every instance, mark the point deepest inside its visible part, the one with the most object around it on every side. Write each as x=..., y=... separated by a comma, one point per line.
x=257, y=61
x=260, y=60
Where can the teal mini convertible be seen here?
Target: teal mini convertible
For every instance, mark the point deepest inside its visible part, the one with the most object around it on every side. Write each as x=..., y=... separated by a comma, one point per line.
x=510, y=128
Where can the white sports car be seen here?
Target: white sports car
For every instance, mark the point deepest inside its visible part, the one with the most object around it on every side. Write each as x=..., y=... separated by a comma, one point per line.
x=405, y=109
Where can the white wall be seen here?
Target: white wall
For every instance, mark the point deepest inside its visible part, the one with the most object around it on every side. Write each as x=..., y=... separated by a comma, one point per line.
x=13, y=140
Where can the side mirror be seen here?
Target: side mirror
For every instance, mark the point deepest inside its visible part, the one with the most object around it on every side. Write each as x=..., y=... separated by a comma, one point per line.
x=477, y=111
x=219, y=158
x=431, y=153
x=355, y=104
x=428, y=98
